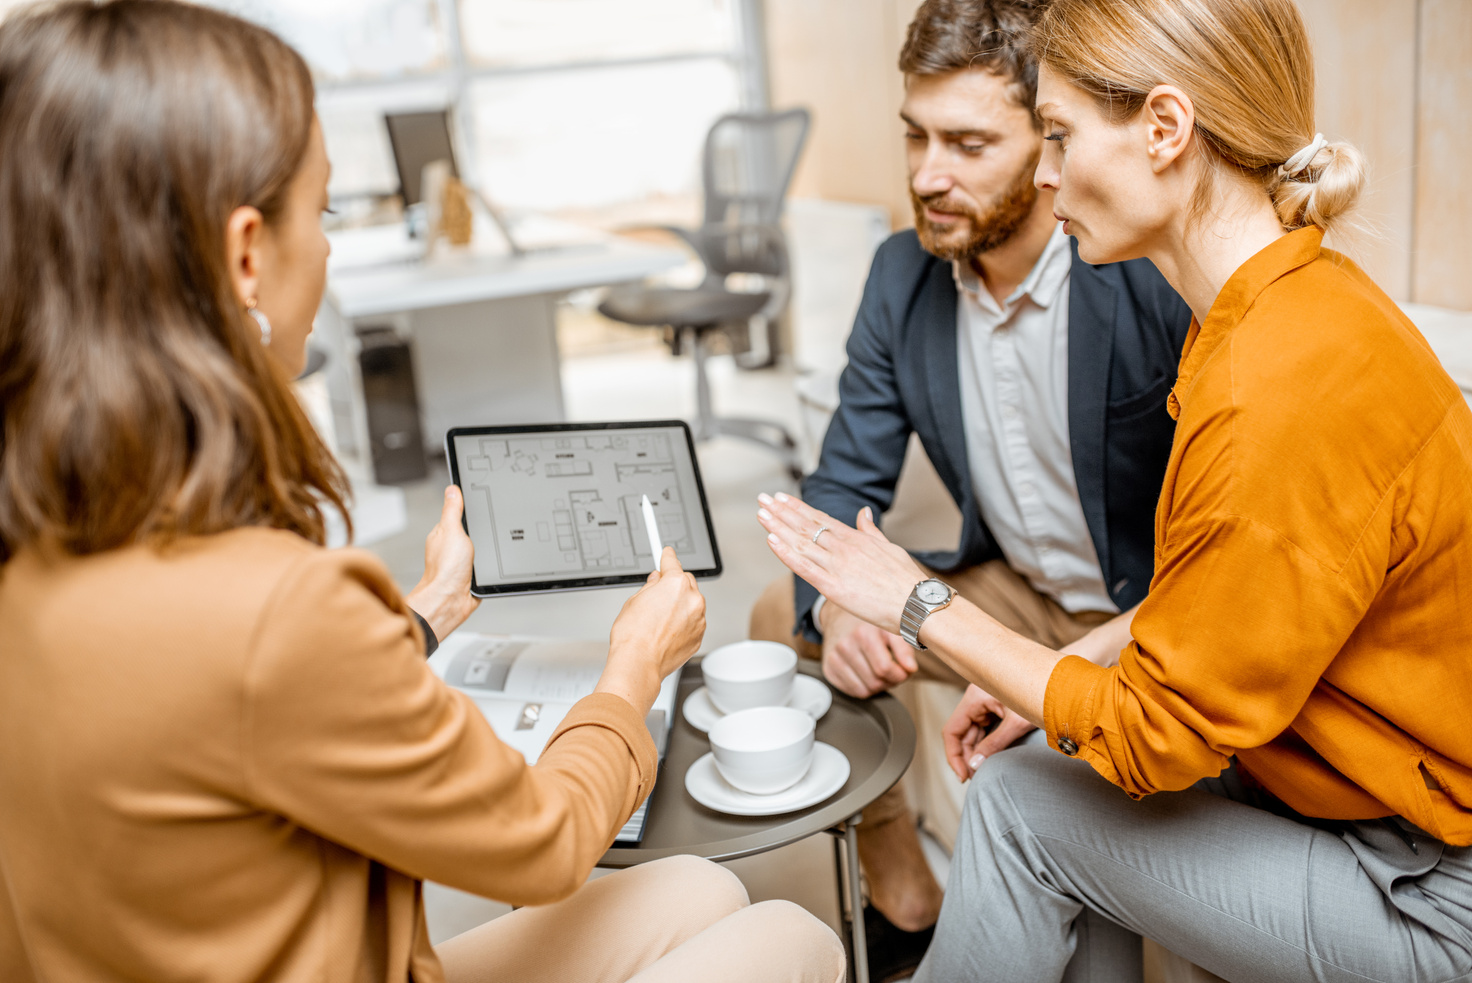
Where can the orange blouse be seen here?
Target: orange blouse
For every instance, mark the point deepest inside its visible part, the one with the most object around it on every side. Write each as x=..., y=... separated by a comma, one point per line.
x=1311, y=609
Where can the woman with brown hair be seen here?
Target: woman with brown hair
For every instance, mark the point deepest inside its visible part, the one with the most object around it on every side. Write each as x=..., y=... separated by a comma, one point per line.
x=222, y=755
x=1273, y=776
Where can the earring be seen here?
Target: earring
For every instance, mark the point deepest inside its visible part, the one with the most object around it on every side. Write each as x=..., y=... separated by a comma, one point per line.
x=261, y=320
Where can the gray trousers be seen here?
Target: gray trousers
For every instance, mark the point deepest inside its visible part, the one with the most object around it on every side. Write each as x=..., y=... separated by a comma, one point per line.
x=1057, y=874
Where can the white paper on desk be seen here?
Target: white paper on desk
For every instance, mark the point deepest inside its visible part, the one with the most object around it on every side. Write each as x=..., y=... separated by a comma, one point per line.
x=506, y=675
x=504, y=714
x=503, y=674
x=532, y=669
x=556, y=671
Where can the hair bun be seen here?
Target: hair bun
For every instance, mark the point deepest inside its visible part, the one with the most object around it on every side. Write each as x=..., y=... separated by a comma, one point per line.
x=1325, y=190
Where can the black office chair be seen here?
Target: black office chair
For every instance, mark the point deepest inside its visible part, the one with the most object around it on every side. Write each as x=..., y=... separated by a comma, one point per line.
x=748, y=164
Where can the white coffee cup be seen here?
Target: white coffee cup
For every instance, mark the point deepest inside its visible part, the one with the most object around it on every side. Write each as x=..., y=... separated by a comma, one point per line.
x=749, y=674
x=764, y=750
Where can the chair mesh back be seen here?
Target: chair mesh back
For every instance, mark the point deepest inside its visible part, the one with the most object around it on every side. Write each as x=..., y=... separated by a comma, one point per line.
x=749, y=160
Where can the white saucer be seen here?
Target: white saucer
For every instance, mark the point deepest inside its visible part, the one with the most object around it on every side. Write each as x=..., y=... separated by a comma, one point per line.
x=812, y=695
x=828, y=773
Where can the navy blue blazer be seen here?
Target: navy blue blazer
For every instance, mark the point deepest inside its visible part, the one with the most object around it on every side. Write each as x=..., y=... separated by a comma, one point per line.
x=1126, y=328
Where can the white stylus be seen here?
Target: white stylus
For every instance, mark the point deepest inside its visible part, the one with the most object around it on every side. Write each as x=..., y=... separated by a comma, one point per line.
x=656, y=548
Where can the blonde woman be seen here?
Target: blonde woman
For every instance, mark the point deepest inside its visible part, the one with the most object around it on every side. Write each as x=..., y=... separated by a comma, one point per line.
x=1268, y=765
x=222, y=756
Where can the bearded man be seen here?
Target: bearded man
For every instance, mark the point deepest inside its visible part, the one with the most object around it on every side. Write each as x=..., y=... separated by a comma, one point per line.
x=1037, y=385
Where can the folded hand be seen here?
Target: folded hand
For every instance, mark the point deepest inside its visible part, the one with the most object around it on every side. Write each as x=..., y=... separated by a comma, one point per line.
x=980, y=727
x=858, y=658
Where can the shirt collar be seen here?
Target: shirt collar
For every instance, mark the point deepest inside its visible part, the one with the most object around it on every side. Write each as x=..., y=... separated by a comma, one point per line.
x=1277, y=259
x=1044, y=282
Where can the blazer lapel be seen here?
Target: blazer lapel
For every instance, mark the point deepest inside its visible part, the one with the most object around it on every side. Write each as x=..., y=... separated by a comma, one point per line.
x=1092, y=311
x=936, y=320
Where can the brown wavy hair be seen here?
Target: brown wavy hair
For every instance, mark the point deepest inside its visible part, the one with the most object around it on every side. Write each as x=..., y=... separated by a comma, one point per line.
x=137, y=403
x=954, y=35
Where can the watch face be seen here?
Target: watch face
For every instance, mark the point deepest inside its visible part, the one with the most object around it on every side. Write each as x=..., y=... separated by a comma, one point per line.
x=932, y=591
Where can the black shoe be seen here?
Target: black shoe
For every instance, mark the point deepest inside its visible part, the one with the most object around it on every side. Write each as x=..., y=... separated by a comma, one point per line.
x=893, y=952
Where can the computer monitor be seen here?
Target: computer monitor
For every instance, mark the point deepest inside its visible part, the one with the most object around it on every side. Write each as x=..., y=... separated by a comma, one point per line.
x=419, y=139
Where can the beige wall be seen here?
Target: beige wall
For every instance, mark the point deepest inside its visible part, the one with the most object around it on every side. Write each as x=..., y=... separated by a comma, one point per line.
x=1443, y=210
x=1370, y=103
x=1394, y=78
x=837, y=57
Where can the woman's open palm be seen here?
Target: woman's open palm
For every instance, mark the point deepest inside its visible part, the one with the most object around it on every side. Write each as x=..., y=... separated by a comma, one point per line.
x=857, y=568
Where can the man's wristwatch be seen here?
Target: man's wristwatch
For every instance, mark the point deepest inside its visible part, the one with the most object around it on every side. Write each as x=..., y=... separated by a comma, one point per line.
x=928, y=597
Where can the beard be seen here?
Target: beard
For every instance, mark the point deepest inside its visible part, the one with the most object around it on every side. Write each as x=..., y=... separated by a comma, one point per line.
x=977, y=231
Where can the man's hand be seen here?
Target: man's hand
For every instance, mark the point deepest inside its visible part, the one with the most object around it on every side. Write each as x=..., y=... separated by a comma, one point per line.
x=859, y=659
x=980, y=727
x=442, y=597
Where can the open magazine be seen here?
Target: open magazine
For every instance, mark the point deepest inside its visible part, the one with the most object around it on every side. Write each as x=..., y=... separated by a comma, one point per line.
x=525, y=686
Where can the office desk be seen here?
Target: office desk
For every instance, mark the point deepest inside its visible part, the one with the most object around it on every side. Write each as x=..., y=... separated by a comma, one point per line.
x=483, y=322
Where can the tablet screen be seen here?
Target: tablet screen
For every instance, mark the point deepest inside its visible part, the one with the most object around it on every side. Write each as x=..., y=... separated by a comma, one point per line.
x=558, y=506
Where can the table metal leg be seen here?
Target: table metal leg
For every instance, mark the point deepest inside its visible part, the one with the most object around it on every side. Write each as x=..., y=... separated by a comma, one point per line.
x=845, y=920
x=851, y=896
x=856, y=902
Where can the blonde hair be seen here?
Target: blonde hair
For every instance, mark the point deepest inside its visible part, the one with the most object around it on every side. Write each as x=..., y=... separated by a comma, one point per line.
x=1248, y=69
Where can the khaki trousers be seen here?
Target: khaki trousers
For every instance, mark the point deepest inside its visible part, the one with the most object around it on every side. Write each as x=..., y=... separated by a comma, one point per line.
x=930, y=787
x=678, y=920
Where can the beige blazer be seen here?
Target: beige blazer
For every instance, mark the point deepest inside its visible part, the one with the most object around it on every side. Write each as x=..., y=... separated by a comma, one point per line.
x=229, y=761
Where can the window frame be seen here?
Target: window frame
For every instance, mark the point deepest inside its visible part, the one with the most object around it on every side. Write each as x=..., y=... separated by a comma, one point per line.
x=747, y=57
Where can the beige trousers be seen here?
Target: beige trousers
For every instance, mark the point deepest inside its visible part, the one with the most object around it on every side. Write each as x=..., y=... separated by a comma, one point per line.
x=933, y=692
x=678, y=920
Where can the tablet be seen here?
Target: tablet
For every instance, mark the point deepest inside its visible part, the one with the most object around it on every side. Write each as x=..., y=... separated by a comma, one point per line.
x=558, y=506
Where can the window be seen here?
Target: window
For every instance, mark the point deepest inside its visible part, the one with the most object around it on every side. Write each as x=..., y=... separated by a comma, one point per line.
x=540, y=32
x=559, y=104
x=346, y=40
x=596, y=137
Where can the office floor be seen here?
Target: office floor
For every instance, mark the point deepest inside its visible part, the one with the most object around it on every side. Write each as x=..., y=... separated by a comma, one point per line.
x=630, y=380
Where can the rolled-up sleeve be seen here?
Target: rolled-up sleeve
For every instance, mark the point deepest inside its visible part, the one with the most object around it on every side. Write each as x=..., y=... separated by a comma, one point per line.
x=1237, y=630
x=349, y=734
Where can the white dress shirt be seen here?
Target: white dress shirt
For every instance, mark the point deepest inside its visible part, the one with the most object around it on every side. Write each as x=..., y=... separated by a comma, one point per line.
x=1013, y=364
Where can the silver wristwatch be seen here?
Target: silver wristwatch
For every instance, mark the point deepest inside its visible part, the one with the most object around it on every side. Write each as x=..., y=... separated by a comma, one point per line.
x=928, y=597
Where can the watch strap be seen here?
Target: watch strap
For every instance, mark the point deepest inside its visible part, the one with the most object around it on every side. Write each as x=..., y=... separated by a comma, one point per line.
x=917, y=609
x=912, y=618
x=816, y=613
